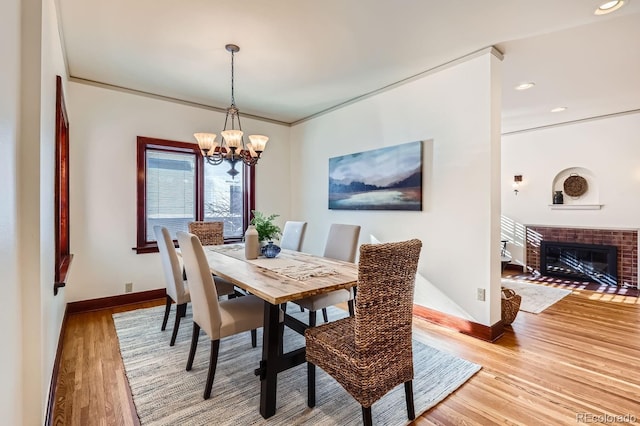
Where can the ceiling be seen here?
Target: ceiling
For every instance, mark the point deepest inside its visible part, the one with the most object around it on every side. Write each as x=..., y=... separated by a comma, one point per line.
x=300, y=57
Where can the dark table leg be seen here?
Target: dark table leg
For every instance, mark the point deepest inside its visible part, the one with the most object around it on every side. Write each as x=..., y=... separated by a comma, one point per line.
x=269, y=364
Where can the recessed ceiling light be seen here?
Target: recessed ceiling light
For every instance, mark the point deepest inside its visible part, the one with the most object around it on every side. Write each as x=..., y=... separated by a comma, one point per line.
x=609, y=6
x=559, y=109
x=525, y=86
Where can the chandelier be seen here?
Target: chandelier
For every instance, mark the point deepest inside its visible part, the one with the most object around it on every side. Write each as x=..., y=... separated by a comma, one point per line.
x=232, y=149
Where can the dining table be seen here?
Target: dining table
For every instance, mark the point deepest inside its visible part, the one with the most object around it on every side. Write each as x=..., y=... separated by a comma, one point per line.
x=290, y=276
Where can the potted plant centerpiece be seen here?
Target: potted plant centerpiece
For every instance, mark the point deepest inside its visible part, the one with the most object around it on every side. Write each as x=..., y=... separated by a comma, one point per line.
x=267, y=229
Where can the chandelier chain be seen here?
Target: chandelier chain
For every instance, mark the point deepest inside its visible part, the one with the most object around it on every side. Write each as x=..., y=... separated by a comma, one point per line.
x=233, y=99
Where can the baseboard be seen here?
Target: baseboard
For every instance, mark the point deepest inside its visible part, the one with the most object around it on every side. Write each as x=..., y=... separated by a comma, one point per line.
x=48, y=419
x=113, y=301
x=473, y=329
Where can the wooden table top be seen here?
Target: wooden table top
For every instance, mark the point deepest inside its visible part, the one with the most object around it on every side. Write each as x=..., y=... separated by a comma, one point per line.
x=290, y=276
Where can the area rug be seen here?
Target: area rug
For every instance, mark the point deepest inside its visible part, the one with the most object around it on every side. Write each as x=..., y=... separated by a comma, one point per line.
x=535, y=297
x=165, y=393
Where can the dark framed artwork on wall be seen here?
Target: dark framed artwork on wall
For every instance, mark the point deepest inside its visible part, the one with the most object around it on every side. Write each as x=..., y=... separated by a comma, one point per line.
x=381, y=179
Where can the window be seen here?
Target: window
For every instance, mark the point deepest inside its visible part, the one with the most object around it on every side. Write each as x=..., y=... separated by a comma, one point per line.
x=63, y=254
x=176, y=186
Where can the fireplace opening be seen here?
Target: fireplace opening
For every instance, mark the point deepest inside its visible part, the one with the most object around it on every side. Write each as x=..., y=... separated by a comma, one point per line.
x=590, y=262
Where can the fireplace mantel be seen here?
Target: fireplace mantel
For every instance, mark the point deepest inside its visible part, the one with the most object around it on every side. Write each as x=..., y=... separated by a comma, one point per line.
x=575, y=206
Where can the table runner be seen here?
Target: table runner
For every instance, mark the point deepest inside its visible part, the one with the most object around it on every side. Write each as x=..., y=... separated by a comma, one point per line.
x=294, y=268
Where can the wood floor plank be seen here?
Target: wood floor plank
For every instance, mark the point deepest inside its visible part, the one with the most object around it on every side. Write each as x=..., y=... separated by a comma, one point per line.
x=578, y=356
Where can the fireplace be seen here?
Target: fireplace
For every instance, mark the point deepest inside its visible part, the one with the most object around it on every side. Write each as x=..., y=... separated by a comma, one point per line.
x=591, y=262
x=626, y=240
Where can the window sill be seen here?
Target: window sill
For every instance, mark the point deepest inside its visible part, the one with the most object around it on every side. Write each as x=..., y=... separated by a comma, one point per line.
x=146, y=249
x=62, y=273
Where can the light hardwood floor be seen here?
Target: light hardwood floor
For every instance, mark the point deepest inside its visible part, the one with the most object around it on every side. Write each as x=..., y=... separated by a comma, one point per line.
x=576, y=360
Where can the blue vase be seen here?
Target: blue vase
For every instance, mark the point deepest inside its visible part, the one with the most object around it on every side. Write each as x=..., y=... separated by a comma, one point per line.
x=270, y=250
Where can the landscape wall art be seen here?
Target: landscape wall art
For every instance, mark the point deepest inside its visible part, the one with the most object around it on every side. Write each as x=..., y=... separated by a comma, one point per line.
x=382, y=179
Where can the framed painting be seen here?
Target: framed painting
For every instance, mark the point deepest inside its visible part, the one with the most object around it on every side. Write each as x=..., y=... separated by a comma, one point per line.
x=381, y=179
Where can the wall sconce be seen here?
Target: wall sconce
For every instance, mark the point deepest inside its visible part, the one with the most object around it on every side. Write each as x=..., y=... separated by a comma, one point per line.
x=516, y=183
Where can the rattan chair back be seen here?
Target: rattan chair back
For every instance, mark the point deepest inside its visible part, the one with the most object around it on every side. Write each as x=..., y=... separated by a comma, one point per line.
x=371, y=353
x=384, y=312
x=209, y=233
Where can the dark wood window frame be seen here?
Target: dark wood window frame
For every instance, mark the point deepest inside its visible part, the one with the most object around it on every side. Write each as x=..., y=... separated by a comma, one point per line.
x=145, y=143
x=63, y=256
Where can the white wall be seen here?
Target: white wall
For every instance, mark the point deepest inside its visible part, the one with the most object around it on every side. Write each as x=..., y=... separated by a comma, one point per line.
x=104, y=125
x=609, y=148
x=10, y=314
x=31, y=315
x=52, y=307
x=456, y=112
x=29, y=210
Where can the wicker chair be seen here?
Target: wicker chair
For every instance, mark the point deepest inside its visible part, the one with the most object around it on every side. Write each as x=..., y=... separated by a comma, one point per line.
x=209, y=233
x=212, y=234
x=371, y=353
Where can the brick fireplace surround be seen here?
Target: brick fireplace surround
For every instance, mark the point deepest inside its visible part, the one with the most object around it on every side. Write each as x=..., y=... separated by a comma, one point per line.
x=625, y=240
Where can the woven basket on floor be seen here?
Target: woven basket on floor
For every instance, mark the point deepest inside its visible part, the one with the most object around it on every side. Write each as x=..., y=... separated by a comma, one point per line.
x=510, y=305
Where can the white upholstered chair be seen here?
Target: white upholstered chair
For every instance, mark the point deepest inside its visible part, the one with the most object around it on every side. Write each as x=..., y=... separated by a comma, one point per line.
x=177, y=290
x=341, y=244
x=176, y=284
x=293, y=235
x=218, y=319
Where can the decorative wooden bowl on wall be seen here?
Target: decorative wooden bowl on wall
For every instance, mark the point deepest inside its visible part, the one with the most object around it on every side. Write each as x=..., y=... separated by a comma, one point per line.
x=575, y=185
